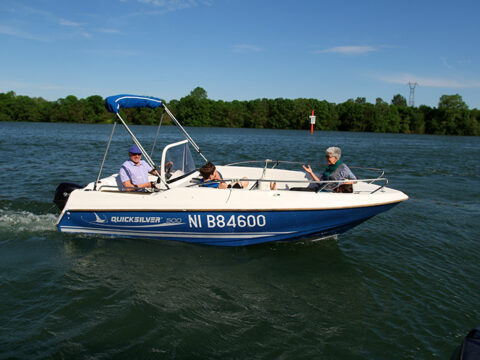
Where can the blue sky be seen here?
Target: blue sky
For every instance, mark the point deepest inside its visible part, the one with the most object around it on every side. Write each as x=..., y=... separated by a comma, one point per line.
x=242, y=49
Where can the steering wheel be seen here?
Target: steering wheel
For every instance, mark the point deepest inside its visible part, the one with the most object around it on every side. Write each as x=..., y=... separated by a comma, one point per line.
x=168, y=170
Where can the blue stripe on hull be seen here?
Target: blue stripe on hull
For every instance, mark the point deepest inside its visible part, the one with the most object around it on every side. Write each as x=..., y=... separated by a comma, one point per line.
x=226, y=228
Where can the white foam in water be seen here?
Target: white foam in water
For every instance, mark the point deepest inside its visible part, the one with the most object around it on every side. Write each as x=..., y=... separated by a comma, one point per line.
x=26, y=221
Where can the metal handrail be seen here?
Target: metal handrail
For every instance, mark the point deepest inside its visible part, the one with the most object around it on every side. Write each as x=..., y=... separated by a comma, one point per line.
x=299, y=181
x=300, y=163
x=268, y=161
x=322, y=182
x=366, y=168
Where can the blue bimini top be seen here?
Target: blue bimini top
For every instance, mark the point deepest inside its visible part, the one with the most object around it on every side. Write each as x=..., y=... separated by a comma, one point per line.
x=117, y=102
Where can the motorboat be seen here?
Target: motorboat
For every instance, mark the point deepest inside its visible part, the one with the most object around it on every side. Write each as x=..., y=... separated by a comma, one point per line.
x=278, y=205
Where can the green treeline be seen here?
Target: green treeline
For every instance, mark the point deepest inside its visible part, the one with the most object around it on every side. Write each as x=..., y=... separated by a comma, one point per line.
x=452, y=117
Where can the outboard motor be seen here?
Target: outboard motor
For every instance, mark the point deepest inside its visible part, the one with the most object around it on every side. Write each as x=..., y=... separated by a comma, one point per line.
x=470, y=347
x=63, y=192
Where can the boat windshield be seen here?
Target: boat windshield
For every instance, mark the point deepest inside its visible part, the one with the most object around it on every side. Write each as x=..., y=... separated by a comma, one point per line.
x=178, y=160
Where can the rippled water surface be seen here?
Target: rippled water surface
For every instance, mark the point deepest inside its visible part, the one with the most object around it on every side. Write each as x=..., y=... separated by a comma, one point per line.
x=403, y=285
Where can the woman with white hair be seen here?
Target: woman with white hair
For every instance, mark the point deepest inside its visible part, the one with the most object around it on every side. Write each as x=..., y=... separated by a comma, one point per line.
x=336, y=170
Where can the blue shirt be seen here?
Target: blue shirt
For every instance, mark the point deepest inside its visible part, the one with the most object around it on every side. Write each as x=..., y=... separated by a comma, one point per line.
x=136, y=174
x=212, y=183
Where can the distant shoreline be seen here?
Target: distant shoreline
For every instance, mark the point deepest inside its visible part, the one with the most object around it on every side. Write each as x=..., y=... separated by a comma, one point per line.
x=452, y=117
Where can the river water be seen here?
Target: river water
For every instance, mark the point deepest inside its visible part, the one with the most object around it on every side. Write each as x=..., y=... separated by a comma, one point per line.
x=403, y=285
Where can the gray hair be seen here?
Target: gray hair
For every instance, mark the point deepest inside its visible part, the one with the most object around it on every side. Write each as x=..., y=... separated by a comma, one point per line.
x=334, y=151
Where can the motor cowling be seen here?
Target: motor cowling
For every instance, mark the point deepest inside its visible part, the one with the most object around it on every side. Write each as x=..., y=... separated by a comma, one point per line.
x=63, y=192
x=470, y=347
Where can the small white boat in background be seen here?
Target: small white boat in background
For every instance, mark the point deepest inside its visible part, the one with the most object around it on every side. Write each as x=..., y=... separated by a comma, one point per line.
x=181, y=209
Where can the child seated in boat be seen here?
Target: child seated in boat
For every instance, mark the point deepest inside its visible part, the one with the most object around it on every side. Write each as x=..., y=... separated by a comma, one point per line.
x=212, y=178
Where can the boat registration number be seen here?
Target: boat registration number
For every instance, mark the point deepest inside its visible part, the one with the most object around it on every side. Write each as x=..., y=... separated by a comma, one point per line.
x=221, y=221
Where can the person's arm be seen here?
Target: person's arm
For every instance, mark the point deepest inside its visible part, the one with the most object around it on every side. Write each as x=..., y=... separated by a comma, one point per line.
x=128, y=185
x=152, y=171
x=131, y=187
x=351, y=175
x=222, y=185
x=125, y=179
x=347, y=174
x=309, y=170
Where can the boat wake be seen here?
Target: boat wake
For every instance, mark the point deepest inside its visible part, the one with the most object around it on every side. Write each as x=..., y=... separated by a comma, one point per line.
x=21, y=221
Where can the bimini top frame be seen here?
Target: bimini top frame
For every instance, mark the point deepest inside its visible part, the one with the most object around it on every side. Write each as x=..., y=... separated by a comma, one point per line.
x=115, y=103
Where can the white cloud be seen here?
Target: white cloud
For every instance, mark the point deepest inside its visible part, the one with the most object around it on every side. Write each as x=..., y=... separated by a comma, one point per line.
x=429, y=81
x=246, y=48
x=85, y=34
x=75, y=25
x=68, y=23
x=347, y=50
x=172, y=5
x=109, y=31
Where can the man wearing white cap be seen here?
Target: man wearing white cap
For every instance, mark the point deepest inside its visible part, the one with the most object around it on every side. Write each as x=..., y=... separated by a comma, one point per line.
x=134, y=172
